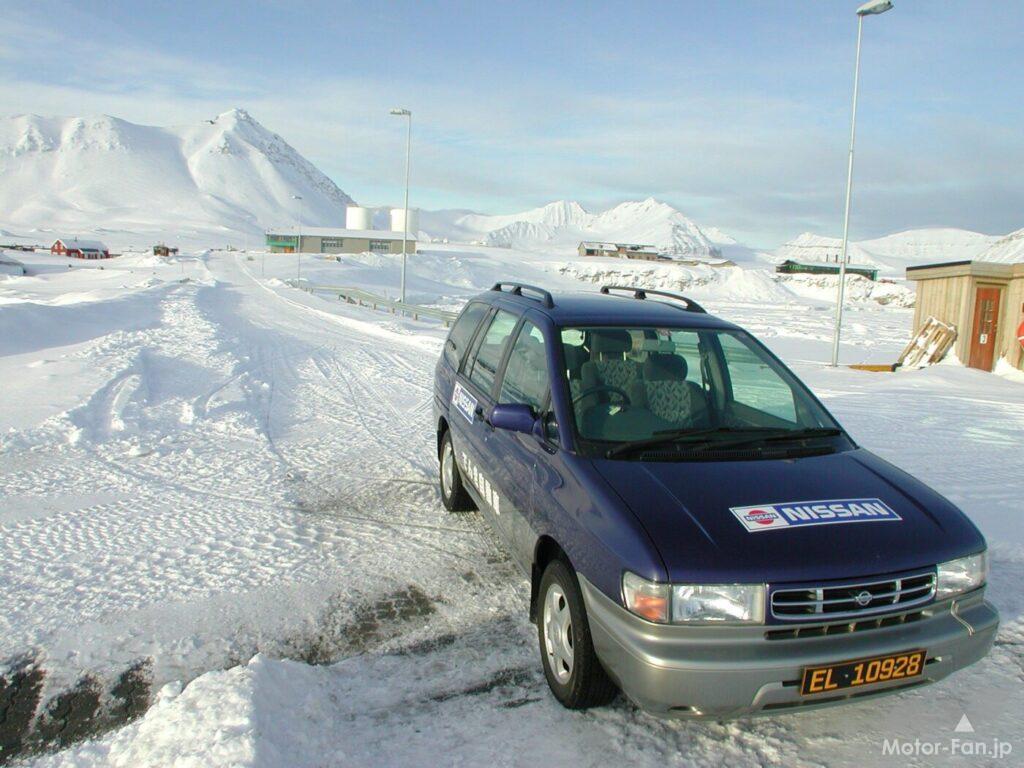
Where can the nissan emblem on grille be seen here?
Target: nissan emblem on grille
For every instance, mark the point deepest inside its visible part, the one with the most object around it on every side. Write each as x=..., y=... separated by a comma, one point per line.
x=852, y=600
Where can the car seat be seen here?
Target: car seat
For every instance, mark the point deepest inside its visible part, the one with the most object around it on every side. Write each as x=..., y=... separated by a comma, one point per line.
x=608, y=365
x=669, y=395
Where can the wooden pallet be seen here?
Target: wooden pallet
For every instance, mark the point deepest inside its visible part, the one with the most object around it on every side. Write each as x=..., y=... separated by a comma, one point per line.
x=929, y=346
x=874, y=368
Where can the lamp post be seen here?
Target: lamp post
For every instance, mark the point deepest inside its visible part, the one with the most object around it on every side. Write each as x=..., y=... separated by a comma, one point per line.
x=405, y=215
x=872, y=8
x=298, y=242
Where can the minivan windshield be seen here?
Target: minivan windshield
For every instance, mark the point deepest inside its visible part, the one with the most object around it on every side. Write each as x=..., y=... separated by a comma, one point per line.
x=649, y=387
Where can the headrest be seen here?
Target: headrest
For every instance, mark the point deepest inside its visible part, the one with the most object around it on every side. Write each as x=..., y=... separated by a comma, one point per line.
x=665, y=367
x=610, y=342
x=533, y=348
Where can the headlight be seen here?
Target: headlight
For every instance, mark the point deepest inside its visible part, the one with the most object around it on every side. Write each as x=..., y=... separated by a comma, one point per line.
x=693, y=604
x=961, y=575
x=731, y=603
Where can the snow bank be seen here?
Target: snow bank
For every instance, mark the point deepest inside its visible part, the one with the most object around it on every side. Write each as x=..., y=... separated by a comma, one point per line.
x=858, y=289
x=1008, y=371
x=10, y=267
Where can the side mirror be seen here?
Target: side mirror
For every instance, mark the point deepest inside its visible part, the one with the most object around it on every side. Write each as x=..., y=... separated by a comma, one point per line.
x=514, y=417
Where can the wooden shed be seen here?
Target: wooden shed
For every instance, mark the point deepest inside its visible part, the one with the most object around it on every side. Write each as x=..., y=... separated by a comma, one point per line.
x=984, y=300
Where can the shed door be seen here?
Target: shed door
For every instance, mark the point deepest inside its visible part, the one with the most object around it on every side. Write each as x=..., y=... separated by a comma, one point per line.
x=986, y=323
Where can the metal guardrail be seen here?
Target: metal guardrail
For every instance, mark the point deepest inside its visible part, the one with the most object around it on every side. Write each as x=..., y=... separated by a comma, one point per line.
x=365, y=298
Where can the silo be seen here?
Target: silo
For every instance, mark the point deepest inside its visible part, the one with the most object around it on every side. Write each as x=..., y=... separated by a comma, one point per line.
x=398, y=220
x=358, y=217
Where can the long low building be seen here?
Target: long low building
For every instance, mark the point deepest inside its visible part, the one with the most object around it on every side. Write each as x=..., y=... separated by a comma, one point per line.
x=327, y=240
x=621, y=251
x=792, y=267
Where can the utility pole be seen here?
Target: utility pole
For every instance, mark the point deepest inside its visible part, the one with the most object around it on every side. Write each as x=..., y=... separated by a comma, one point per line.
x=405, y=216
x=872, y=8
x=298, y=243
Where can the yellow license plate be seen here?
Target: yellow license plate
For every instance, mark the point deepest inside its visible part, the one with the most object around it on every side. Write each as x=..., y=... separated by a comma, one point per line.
x=853, y=674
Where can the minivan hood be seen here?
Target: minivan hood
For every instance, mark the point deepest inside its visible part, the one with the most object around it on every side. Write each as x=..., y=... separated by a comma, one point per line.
x=685, y=508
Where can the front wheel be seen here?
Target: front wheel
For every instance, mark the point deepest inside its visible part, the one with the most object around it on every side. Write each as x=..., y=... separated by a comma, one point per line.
x=571, y=666
x=453, y=493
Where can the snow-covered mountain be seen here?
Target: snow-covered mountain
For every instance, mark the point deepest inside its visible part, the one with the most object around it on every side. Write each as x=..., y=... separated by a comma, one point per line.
x=891, y=254
x=104, y=174
x=561, y=225
x=1006, y=250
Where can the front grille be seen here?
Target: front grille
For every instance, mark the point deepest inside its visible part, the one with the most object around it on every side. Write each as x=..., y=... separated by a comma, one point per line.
x=852, y=600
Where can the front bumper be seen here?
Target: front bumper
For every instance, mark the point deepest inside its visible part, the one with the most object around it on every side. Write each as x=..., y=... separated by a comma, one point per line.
x=723, y=672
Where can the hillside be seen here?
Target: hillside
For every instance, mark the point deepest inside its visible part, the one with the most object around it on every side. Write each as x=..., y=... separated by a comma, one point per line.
x=107, y=175
x=560, y=226
x=1006, y=250
x=891, y=254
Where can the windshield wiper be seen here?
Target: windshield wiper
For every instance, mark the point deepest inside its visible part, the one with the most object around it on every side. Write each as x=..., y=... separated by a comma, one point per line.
x=679, y=436
x=701, y=437
x=781, y=435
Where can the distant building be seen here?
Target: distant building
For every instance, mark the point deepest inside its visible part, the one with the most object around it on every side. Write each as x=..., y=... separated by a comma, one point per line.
x=985, y=302
x=164, y=250
x=326, y=240
x=80, y=249
x=791, y=267
x=621, y=251
x=712, y=262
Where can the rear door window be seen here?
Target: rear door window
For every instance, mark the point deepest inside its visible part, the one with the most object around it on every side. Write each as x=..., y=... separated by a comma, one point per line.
x=491, y=350
x=461, y=335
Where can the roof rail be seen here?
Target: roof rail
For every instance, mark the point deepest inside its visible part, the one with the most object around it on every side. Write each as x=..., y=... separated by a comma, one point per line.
x=516, y=289
x=643, y=293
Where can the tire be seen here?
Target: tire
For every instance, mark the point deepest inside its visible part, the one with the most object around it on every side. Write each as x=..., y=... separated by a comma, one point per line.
x=453, y=493
x=579, y=681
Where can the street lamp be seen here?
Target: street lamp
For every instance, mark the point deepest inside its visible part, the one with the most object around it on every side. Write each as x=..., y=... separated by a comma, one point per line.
x=405, y=216
x=872, y=8
x=298, y=242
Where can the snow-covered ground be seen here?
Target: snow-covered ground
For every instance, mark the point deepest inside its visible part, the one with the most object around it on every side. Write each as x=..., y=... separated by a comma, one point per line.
x=218, y=499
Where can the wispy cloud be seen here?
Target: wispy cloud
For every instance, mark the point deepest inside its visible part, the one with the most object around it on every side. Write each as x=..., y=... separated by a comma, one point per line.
x=763, y=163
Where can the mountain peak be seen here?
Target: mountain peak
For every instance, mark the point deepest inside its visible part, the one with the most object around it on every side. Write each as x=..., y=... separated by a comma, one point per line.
x=562, y=224
x=236, y=114
x=226, y=173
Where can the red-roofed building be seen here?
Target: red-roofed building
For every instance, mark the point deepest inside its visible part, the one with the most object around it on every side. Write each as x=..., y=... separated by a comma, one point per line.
x=80, y=249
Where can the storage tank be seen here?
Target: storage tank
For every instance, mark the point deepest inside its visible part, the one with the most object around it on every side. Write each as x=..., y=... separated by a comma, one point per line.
x=398, y=220
x=358, y=217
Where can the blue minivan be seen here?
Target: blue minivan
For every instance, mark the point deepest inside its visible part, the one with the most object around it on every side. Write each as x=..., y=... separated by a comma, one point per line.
x=699, y=532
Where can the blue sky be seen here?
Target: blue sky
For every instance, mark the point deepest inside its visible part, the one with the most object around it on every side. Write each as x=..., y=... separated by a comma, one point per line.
x=735, y=112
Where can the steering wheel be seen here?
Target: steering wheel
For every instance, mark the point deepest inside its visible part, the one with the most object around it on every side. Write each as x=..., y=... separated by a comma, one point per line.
x=603, y=388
